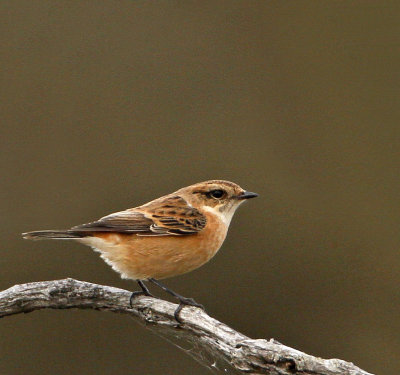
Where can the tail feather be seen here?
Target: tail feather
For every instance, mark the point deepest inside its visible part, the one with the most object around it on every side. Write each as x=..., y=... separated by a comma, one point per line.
x=52, y=234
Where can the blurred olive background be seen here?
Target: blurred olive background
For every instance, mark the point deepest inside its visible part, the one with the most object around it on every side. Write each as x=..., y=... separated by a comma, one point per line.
x=108, y=104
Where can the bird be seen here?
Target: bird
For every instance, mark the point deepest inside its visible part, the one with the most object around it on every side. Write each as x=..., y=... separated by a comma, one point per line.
x=166, y=237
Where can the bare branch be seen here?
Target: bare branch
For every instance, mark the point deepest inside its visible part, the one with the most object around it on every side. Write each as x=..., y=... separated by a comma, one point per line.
x=217, y=345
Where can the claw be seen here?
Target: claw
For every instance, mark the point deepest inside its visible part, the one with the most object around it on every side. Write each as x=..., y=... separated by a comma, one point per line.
x=133, y=296
x=183, y=301
x=143, y=292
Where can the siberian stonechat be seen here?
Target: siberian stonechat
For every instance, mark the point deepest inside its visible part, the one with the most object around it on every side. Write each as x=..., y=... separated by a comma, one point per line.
x=168, y=236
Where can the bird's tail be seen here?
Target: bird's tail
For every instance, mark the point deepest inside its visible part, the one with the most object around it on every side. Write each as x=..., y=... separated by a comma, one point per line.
x=52, y=235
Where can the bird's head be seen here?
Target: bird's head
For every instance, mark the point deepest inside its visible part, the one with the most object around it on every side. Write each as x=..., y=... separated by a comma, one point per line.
x=216, y=196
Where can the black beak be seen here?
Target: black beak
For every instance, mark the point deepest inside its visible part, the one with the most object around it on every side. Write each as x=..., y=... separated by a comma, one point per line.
x=247, y=195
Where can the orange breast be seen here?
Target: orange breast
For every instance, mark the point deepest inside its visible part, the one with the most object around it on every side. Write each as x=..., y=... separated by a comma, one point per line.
x=142, y=257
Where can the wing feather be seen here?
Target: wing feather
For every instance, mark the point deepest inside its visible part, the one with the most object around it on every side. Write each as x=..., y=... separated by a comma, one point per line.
x=128, y=221
x=171, y=216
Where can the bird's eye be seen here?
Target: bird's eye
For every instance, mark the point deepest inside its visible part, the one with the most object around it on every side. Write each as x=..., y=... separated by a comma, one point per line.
x=217, y=193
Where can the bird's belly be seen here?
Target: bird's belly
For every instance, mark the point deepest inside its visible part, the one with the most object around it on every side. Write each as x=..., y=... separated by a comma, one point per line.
x=143, y=257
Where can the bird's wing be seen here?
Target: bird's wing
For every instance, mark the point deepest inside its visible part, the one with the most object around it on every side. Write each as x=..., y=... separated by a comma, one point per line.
x=168, y=217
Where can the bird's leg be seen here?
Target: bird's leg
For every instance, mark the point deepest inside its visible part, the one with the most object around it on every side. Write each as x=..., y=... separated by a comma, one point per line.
x=144, y=292
x=183, y=301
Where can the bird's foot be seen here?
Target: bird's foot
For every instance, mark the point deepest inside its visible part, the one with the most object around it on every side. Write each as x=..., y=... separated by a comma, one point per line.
x=144, y=292
x=183, y=301
x=136, y=294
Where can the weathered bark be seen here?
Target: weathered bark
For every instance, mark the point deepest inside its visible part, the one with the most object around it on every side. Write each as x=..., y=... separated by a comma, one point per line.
x=217, y=345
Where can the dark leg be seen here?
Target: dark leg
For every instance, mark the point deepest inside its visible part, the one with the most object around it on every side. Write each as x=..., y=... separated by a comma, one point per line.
x=183, y=301
x=145, y=291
